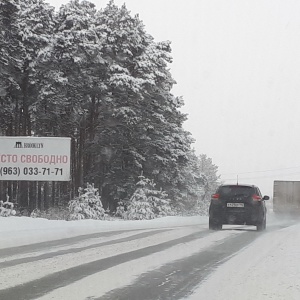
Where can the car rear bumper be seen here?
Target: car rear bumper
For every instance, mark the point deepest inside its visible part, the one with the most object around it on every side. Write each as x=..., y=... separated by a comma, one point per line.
x=252, y=215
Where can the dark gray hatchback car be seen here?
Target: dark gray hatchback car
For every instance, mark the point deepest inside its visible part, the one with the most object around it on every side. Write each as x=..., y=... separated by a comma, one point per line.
x=237, y=204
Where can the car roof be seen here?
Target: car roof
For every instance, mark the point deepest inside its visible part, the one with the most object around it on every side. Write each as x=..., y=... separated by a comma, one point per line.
x=235, y=184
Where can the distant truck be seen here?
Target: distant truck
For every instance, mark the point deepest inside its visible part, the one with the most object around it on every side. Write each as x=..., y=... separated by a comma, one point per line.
x=286, y=197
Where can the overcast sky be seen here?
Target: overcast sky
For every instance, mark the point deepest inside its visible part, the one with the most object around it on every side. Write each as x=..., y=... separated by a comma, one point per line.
x=237, y=65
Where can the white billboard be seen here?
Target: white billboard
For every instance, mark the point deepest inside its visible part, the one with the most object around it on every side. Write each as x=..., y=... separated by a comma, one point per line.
x=35, y=158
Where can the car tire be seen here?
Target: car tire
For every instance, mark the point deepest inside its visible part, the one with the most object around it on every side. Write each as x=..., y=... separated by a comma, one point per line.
x=219, y=226
x=262, y=225
x=212, y=225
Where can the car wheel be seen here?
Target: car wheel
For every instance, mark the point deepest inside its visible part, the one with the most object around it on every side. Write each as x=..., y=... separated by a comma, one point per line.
x=262, y=225
x=212, y=225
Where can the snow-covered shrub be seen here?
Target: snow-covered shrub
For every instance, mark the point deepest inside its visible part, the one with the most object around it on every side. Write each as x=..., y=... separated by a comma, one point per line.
x=139, y=207
x=159, y=200
x=146, y=202
x=87, y=205
x=7, y=208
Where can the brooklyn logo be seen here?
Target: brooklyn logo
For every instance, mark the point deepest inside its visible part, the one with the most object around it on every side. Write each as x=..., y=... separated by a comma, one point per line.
x=29, y=145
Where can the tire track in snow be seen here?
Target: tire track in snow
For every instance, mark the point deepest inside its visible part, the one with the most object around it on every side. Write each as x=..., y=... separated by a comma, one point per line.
x=63, y=242
x=46, y=284
x=175, y=280
x=30, y=271
x=74, y=249
x=178, y=279
x=113, y=278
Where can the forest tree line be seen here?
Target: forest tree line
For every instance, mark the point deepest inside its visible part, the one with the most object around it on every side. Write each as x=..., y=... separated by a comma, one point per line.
x=97, y=77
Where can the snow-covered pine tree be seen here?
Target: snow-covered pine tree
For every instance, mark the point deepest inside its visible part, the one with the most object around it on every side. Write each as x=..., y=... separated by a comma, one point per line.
x=142, y=121
x=35, y=26
x=7, y=208
x=73, y=79
x=200, y=178
x=163, y=141
x=159, y=200
x=146, y=202
x=190, y=185
x=210, y=177
x=87, y=205
x=71, y=68
x=117, y=136
x=11, y=56
x=140, y=207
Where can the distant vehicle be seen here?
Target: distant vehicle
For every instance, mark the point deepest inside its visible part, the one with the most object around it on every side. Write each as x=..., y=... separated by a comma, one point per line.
x=286, y=197
x=239, y=205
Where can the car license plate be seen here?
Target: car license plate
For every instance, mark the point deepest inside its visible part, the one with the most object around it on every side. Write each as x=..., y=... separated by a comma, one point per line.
x=235, y=204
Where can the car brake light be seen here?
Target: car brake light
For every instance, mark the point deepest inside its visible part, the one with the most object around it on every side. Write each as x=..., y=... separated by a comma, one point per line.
x=215, y=196
x=256, y=198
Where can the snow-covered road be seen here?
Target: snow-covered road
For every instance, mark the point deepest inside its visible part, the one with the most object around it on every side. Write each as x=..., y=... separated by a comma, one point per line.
x=167, y=258
x=269, y=268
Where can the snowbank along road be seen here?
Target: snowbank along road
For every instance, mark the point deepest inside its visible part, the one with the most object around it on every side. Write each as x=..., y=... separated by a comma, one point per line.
x=151, y=264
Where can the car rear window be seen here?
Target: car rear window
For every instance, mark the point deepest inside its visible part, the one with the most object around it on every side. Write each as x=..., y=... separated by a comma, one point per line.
x=236, y=190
